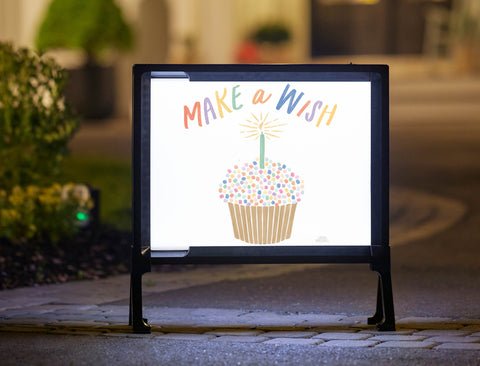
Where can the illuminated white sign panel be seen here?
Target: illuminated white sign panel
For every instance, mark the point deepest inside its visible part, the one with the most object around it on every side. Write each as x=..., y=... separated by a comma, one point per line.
x=259, y=163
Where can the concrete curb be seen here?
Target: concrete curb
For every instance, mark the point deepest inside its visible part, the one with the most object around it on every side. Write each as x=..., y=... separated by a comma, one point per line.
x=238, y=326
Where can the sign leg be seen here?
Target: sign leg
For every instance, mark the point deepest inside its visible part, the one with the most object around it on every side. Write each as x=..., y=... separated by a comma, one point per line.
x=388, y=323
x=384, y=316
x=140, y=265
x=136, y=319
x=378, y=316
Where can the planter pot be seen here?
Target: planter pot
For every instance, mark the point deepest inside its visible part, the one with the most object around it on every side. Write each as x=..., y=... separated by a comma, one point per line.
x=466, y=57
x=275, y=53
x=90, y=90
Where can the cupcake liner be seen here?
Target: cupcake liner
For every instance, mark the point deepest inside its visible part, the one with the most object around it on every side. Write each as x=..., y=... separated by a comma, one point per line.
x=262, y=224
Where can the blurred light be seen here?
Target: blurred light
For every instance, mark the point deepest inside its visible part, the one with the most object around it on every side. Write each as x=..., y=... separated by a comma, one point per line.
x=82, y=216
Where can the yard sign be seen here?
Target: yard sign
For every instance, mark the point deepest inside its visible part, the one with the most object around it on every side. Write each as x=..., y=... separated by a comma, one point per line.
x=249, y=163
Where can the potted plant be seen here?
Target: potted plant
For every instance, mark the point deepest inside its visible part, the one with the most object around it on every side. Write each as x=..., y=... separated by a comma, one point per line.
x=97, y=28
x=272, y=40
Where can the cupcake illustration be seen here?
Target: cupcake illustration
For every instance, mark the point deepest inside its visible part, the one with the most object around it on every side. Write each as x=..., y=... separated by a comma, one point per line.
x=262, y=195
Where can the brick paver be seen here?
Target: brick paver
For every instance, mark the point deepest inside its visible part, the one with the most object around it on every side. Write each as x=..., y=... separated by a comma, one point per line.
x=343, y=336
x=466, y=346
x=473, y=328
x=395, y=337
x=388, y=332
x=235, y=332
x=295, y=341
x=408, y=344
x=186, y=337
x=453, y=339
x=428, y=323
x=241, y=339
x=443, y=332
x=348, y=343
x=148, y=336
x=209, y=325
x=291, y=334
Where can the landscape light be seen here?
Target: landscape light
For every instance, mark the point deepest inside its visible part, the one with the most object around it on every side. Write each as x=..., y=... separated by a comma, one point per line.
x=82, y=216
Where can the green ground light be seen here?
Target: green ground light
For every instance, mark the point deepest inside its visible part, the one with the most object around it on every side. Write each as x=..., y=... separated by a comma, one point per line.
x=82, y=216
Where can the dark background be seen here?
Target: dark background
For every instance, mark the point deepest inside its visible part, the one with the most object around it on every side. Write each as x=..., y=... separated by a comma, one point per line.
x=387, y=27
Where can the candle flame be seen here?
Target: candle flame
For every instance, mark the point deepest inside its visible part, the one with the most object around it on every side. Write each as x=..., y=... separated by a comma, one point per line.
x=261, y=125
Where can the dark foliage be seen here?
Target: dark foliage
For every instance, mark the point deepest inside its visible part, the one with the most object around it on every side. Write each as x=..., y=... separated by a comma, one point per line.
x=86, y=256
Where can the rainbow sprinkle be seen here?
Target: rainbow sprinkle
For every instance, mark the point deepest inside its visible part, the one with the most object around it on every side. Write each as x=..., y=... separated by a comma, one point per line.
x=248, y=185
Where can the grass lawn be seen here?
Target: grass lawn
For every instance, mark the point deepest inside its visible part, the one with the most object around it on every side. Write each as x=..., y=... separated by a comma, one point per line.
x=113, y=177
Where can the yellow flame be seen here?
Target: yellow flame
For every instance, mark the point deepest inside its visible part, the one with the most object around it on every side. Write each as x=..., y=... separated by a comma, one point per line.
x=262, y=125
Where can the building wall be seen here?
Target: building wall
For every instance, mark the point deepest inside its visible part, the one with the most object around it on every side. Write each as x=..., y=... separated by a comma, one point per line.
x=20, y=19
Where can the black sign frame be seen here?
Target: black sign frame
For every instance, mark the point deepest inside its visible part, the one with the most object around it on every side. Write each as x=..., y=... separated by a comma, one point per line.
x=377, y=254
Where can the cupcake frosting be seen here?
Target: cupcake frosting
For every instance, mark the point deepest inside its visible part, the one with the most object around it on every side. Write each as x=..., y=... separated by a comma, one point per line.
x=249, y=185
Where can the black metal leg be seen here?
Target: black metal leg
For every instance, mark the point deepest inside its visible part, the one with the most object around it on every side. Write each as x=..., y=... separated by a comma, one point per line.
x=136, y=319
x=384, y=316
x=130, y=315
x=378, y=316
x=387, y=299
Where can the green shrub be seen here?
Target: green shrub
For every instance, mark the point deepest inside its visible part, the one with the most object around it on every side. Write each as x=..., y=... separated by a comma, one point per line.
x=35, y=127
x=273, y=33
x=35, y=122
x=42, y=215
x=94, y=26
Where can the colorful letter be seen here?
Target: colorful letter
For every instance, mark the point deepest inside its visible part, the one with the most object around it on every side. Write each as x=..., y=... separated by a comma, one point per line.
x=309, y=117
x=221, y=103
x=189, y=115
x=208, y=107
x=234, y=98
x=331, y=113
x=290, y=96
x=259, y=95
x=303, y=108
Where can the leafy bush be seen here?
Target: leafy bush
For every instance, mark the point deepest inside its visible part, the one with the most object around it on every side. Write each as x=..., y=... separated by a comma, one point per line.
x=35, y=127
x=35, y=122
x=273, y=33
x=42, y=214
x=93, y=26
